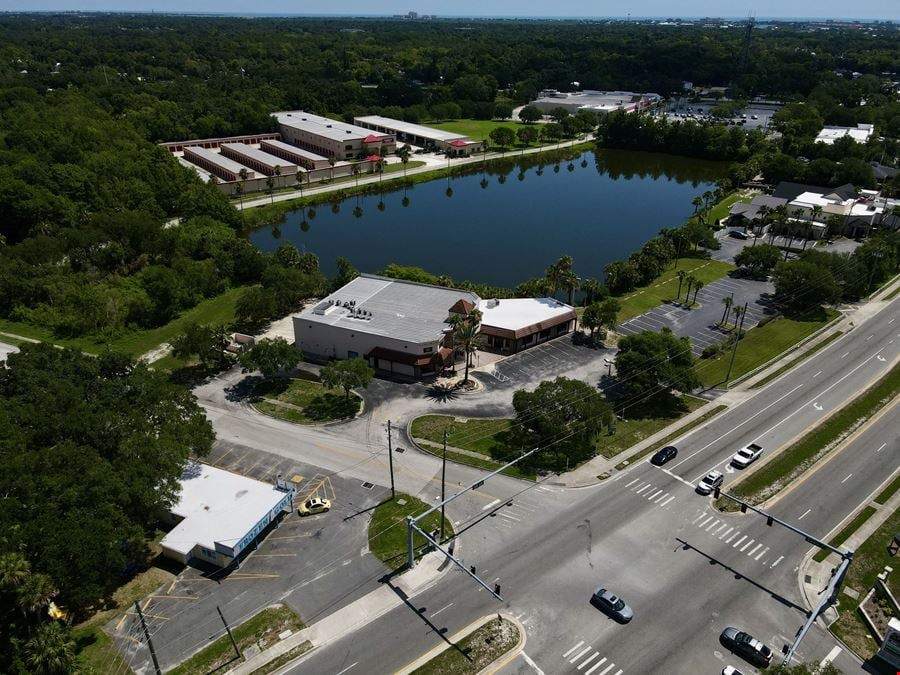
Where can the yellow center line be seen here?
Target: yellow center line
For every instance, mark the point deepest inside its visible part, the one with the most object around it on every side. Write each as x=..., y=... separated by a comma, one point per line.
x=174, y=597
x=174, y=581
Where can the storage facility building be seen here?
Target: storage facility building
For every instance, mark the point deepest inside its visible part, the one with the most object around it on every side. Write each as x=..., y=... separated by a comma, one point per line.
x=219, y=514
x=308, y=160
x=332, y=138
x=422, y=136
x=216, y=164
x=258, y=160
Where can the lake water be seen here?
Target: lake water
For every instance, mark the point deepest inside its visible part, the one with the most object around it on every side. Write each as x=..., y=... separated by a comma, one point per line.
x=598, y=207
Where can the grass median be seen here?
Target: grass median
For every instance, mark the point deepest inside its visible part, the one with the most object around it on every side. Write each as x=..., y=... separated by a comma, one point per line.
x=888, y=492
x=475, y=652
x=388, y=534
x=304, y=400
x=790, y=464
x=846, y=531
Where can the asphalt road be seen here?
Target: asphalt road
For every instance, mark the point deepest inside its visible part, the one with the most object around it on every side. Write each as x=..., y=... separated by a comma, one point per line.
x=649, y=537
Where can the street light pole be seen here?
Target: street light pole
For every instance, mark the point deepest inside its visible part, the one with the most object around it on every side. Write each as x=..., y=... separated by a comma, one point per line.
x=737, y=339
x=391, y=461
x=443, y=483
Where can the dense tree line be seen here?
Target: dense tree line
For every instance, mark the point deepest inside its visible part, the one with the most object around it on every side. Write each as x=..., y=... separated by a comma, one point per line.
x=91, y=450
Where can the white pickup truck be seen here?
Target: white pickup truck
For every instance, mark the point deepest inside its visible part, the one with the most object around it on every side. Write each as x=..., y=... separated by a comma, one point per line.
x=746, y=456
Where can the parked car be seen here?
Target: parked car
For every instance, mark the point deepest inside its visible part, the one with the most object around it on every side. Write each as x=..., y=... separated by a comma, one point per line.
x=746, y=456
x=612, y=605
x=731, y=670
x=314, y=505
x=710, y=482
x=663, y=455
x=738, y=234
x=754, y=117
x=746, y=646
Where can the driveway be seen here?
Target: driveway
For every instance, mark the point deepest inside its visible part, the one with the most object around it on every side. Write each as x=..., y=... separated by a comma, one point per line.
x=699, y=323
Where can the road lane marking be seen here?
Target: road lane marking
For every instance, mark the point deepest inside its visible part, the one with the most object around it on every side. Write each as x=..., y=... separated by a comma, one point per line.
x=881, y=448
x=698, y=518
x=487, y=506
x=762, y=553
x=755, y=415
x=805, y=513
x=817, y=374
x=780, y=558
x=588, y=660
x=738, y=542
x=596, y=665
x=846, y=479
x=668, y=500
x=703, y=524
x=654, y=495
x=869, y=338
x=580, y=654
x=637, y=492
x=755, y=549
x=667, y=494
x=352, y=665
x=531, y=663
x=832, y=655
x=745, y=546
x=845, y=354
x=442, y=609
x=566, y=655
x=713, y=525
x=633, y=482
x=736, y=533
x=725, y=534
x=607, y=669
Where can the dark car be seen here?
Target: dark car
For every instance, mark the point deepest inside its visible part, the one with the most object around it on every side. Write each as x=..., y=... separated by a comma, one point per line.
x=746, y=646
x=662, y=456
x=612, y=605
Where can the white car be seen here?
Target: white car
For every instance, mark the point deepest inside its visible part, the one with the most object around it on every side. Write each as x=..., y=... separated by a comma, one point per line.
x=710, y=482
x=746, y=456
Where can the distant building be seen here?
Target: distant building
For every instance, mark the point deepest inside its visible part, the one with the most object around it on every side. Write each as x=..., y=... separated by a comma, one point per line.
x=422, y=136
x=861, y=133
x=222, y=167
x=860, y=211
x=600, y=102
x=510, y=325
x=332, y=138
x=258, y=160
x=219, y=514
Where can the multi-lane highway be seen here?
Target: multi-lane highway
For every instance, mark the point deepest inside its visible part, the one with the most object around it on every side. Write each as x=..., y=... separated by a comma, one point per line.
x=688, y=570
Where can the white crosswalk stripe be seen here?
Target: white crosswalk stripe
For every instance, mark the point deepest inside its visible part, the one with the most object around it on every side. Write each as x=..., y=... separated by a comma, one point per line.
x=588, y=660
x=595, y=666
x=568, y=653
x=580, y=654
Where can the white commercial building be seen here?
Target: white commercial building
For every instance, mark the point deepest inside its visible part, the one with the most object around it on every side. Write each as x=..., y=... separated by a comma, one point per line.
x=219, y=514
x=599, y=102
x=861, y=133
x=332, y=138
x=513, y=324
x=422, y=136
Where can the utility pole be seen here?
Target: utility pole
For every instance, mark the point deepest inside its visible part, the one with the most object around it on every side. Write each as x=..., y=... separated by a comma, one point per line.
x=149, y=641
x=737, y=339
x=391, y=461
x=230, y=636
x=443, y=483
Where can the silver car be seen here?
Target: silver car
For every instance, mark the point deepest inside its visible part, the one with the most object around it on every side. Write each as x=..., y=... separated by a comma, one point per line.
x=710, y=482
x=612, y=605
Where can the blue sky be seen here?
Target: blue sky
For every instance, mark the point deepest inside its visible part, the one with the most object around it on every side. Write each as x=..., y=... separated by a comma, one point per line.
x=862, y=9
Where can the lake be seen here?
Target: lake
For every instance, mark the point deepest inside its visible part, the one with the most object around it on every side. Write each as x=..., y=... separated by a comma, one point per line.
x=598, y=207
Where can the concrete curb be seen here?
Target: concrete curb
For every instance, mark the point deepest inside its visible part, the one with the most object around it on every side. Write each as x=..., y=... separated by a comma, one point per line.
x=461, y=634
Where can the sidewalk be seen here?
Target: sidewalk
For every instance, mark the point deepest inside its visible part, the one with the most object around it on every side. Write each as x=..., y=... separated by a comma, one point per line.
x=355, y=615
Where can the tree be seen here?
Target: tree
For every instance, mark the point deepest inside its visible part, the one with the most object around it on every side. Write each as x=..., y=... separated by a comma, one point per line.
x=609, y=313
x=738, y=313
x=355, y=170
x=681, y=274
x=502, y=136
x=526, y=135
x=271, y=356
x=691, y=280
x=592, y=317
x=759, y=260
x=697, y=286
x=346, y=273
x=255, y=305
x=801, y=286
x=347, y=375
x=561, y=275
x=270, y=188
x=563, y=416
x=503, y=111
x=559, y=114
x=466, y=337
x=728, y=301
x=206, y=342
x=530, y=114
x=287, y=255
x=404, y=153
x=651, y=364
x=804, y=669
x=50, y=650
x=593, y=290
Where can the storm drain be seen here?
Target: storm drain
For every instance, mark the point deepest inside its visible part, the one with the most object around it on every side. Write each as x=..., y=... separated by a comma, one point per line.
x=368, y=486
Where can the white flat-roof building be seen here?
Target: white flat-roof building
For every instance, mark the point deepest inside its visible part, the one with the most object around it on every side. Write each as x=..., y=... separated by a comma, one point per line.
x=221, y=167
x=219, y=514
x=258, y=160
x=600, y=102
x=417, y=134
x=299, y=156
x=332, y=138
x=861, y=133
x=512, y=324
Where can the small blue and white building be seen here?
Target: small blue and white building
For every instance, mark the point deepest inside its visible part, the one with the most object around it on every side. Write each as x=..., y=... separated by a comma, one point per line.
x=219, y=514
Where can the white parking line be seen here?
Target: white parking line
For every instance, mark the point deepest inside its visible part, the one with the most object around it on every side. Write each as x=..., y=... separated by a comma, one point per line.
x=846, y=479
x=580, y=654
x=722, y=527
x=441, y=610
x=607, y=669
x=566, y=655
x=698, y=518
x=805, y=513
x=506, y=515
x=596, y=665
x=745, y=546
x=817, y=374
x=845, y=354
x=881, y=448
x=738, y=542
x=588, y=660
x=633, y=482
x=780, y=558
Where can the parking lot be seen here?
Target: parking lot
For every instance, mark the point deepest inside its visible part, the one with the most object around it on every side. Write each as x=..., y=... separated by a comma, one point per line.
x=699, y=323
x=757, y=117
x=315, y=564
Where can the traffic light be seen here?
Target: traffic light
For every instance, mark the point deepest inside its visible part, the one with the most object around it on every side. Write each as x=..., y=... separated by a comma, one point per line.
x=717, y=492
x=769, y=521
x=743, y=508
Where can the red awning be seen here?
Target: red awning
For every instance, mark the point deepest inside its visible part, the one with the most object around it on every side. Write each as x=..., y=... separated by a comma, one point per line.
x=372, y=138
x=374, y=158
x=459, y=143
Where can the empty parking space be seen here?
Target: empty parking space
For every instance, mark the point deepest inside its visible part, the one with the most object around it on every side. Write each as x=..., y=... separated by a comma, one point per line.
x=545, y=361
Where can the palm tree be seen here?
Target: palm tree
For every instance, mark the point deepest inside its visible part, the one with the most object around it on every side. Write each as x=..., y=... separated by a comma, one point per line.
x=239, y=190
x=14, y=569
x=707, y=196
x=468, y=338
x=697, y=202
x=591, y=288
x=355, y=171
x=50, y=650
x=243, y=174
x=681, y=274
x=35, y=593
x=738, y=313
x=697, y=286
x=690, y=282
x=728, y=301
x=270, y=188
x=331, y=162
x=403, y=152
x=299, y=178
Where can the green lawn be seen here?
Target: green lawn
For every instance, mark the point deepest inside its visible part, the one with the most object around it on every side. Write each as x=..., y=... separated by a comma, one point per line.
x=479, y=130
x=664, y=287
x=261, y=630
x=782, y=470
x=759, y=346
x=868, y=561
x=474, y=435
x=645, y=420
x=846, y=531
x=219, y=309
x=793, y=362
x=475, y=652
x=319, y=403
x=888, y=492
x=388, y=532
x=721, y=209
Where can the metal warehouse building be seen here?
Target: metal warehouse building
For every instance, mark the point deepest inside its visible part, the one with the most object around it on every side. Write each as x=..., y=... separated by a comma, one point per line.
x=222, y=167
x=425, y=137
x=305, y=158
x=332, y=138
x=258, y=160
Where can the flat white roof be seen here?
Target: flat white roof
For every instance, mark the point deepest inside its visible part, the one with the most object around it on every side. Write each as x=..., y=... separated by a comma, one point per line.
x=410, y=129
x=322, y=126
x=519, y=313
x=217, y=159
x=860, y=133
x=260, y=156
x=217, y=506
x=287, y=147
